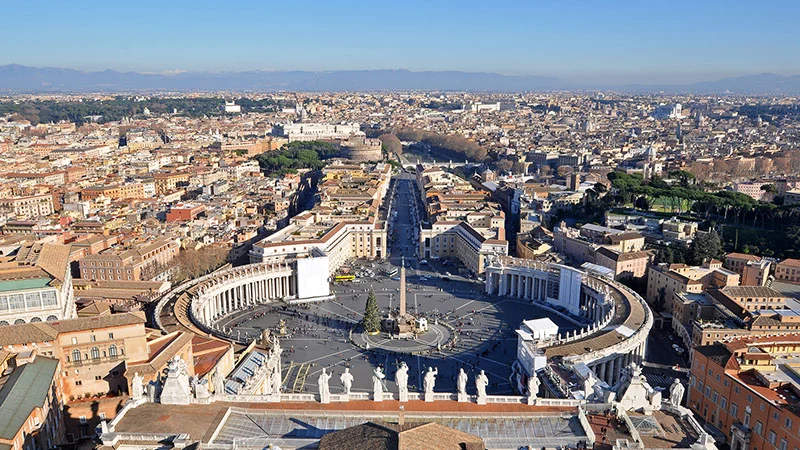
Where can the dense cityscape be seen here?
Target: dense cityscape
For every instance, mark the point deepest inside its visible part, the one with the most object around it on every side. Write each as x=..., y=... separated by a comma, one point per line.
x=591, y=255
x=400, y=226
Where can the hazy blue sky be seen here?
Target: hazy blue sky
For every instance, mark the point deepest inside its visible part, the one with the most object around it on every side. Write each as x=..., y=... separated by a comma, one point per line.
x=641, y=41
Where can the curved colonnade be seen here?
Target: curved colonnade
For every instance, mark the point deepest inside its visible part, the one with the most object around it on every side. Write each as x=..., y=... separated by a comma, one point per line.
x=237, y=288
x=616, y=321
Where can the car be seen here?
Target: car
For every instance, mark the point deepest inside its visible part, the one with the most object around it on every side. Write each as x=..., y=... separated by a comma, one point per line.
x=423, y=262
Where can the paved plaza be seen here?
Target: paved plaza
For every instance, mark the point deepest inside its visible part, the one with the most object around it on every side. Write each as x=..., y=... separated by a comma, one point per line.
x=319, y=334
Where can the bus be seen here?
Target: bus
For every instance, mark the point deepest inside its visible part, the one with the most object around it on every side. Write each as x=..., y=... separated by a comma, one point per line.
x=343, y=278
x=392, y=273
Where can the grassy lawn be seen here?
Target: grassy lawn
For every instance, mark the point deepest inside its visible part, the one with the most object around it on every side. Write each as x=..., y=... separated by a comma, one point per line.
x=664, y=204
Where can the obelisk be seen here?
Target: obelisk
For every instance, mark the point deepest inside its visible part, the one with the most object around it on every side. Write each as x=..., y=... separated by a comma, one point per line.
x=402, y=287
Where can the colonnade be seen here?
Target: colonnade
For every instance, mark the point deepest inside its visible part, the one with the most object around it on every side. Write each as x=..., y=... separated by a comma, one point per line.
x=524, y=286
x=241, y=289
x=612, y=309
x=534, y=285
x=610, y=369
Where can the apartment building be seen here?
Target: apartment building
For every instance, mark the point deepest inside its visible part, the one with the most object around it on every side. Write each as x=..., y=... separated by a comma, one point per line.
x=92, y=351
x=664, y=281
x=28, y=206
x=788, y=271
x=747, y=391
x=142, y=262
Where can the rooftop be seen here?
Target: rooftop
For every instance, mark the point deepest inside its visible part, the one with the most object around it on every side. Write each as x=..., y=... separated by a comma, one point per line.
x=26, y=389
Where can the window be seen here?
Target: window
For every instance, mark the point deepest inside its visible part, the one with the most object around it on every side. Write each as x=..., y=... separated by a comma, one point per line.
x=111, y=335
x=772, y=437
x=112, y=351
x=78, y=383
x=76, y=355
x=92, y=338
x=734, y=410
x=74, y=341
x=714, y=397
x=723, y=402
x=97, y=378
x=784, y=444
x=95, y=353
x=759, y=426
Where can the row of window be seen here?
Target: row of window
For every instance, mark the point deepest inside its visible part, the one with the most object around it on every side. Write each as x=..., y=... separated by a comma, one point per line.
x=28, y=301
x=95, y=353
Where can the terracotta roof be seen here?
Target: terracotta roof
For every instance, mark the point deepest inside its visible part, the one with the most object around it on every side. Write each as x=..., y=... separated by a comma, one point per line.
x=26, y=333
x=790, y=262
x=742, y=256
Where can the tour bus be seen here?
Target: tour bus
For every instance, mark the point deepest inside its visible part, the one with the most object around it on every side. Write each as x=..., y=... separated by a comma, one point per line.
x=343, y=278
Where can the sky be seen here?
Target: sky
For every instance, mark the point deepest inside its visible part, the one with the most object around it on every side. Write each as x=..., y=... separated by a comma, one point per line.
x=603, y=41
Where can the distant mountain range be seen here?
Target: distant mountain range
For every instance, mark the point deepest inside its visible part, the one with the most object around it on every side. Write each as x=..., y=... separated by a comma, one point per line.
x=17, y=78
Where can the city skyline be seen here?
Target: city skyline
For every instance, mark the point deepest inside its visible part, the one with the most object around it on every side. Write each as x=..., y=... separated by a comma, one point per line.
x=679, y=42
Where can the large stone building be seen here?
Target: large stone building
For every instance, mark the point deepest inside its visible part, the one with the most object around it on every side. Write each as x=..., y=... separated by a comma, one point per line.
x=317, y=131
x=788, y=271
x=618, y=251
x=28, y=206
x=459, y=222
x=361, y=149
x=349, y=222
x=92, y=351
x=746, y=390
x=665, y=281
x=145, y=261
x=753, y=270
x=36, y=285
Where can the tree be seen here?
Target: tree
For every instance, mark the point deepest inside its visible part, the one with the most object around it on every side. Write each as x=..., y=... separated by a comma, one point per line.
x=372, y=315
x=391, y=144
x=705, y=247
x=563, y=171
x=685, y=178
x=504, y=165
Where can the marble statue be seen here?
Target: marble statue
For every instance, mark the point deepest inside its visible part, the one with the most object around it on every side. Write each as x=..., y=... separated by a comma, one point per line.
x=324, y=389
x=219, y=382
x=676, y=392
x=461, y=384
x=276, y=381
x=401, y=379
x=533, y=388
x=347, y=381
x=377, y=384
x=429, y=382
x=481, y=381
x=137, y=386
